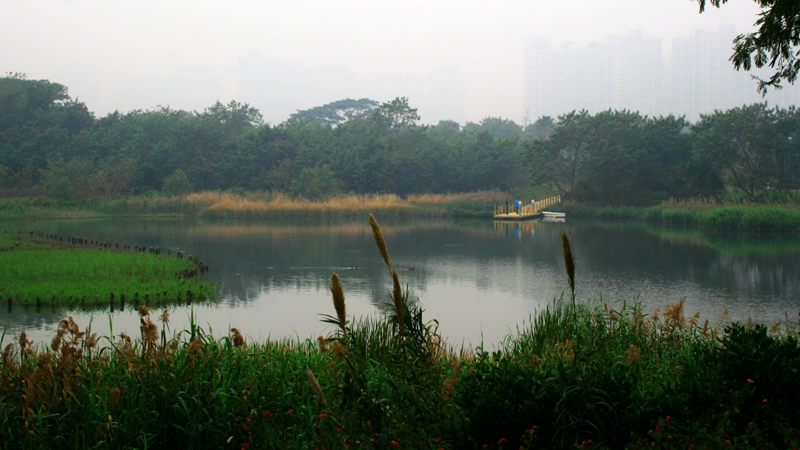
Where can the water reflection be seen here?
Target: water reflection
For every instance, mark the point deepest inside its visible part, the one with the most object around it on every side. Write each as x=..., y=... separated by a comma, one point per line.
x=480, y=279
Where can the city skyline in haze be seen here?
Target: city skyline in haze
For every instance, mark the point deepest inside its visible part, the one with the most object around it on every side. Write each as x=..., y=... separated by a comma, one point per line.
x=631, y=72
x=453, y=59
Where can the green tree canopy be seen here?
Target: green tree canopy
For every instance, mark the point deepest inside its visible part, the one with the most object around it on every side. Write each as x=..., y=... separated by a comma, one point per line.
x=315, y=183
x=496, y=126
x=176, y=184
x=23, y=100
x=396, y=116
x=336, y=113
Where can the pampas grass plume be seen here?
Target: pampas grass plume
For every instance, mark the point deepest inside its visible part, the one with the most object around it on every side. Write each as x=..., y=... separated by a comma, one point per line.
x=399, y=306
x=380, y=241
x=338, y=301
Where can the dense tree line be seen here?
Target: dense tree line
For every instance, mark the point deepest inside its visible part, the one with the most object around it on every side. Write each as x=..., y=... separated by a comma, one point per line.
x=620, y=157
x=51, y=144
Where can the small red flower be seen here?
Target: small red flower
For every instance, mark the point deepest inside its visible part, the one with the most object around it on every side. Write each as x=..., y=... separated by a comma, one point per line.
x=502, y=440
x=438, y=440
x=485, y=446
x=290, y=411
x=764, y=401
x=267, y=414
x=749, y=380
x=668, y=418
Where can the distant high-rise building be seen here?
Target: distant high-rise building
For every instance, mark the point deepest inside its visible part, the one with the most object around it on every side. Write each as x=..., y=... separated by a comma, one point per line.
x=629, y=72
x=537, y=68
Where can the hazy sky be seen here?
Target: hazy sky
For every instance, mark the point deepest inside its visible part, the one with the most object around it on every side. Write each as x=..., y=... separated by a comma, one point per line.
x=453, y=59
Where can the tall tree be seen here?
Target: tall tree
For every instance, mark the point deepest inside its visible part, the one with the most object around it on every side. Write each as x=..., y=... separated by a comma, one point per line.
x=496, y=126
x=742, y=141
x=336, y=113
x=395, y=116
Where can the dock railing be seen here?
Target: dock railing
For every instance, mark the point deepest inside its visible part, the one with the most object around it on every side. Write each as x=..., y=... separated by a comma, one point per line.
x=531, y=208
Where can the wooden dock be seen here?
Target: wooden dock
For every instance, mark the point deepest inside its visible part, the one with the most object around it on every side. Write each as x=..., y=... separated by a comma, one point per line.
x=526, y=211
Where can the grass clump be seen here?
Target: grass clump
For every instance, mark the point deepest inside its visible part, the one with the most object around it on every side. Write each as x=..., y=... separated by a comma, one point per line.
x=39, y=273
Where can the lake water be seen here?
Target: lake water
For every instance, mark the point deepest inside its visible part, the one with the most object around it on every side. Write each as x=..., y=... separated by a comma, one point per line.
x=479, y=279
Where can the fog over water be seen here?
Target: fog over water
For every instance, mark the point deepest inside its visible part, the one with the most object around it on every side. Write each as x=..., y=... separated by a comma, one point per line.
x=454, y=59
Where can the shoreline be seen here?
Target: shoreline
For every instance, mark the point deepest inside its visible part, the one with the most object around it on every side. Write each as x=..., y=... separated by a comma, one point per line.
x=700, y=215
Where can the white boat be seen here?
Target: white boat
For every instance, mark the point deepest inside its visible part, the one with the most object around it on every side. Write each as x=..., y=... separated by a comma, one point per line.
x=553, y=215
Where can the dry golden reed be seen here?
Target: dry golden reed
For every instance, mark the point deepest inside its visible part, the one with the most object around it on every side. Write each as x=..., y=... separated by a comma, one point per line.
x=632, y=355
x=266, y=201
x=312, y=380
x=237, y=338
x=323, y=344
x=569, y=262
x=338, y=302
x=380, y=241
x=114, y=397
x=399, y=305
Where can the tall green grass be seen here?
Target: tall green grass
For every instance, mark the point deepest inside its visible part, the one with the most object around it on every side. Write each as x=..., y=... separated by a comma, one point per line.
x=33, y=273
x=765, y=218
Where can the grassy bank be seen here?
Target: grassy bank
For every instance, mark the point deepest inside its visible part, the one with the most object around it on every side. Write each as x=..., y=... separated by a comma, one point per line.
x=258, y=205
x=579, y=375
x=49, y=270
x=705, y=215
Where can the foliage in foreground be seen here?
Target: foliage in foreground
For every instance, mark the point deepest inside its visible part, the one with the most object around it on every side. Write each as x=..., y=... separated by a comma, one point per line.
x=581, y=375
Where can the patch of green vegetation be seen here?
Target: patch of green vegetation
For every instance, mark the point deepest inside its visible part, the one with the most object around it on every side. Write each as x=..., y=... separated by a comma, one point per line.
x=36, y=273
x=764, y=218
x=578, y=375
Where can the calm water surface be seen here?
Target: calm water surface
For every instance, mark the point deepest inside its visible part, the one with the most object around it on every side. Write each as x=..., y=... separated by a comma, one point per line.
x=479, y=279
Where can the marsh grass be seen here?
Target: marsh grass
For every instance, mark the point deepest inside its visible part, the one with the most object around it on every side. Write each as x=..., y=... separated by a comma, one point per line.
x=261, y=205
x=257, y=205
x=705, y=214
x=62, y=276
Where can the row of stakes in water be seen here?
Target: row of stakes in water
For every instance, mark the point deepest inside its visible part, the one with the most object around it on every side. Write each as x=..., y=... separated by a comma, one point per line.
x=75, y=240
x=158, y=300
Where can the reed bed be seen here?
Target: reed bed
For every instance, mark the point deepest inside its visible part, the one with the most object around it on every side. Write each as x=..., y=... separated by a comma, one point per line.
x=281, y=206
x=141, y=206
x=577, y=375
x=37, y=274
x=258, y=205
x=704, y=214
